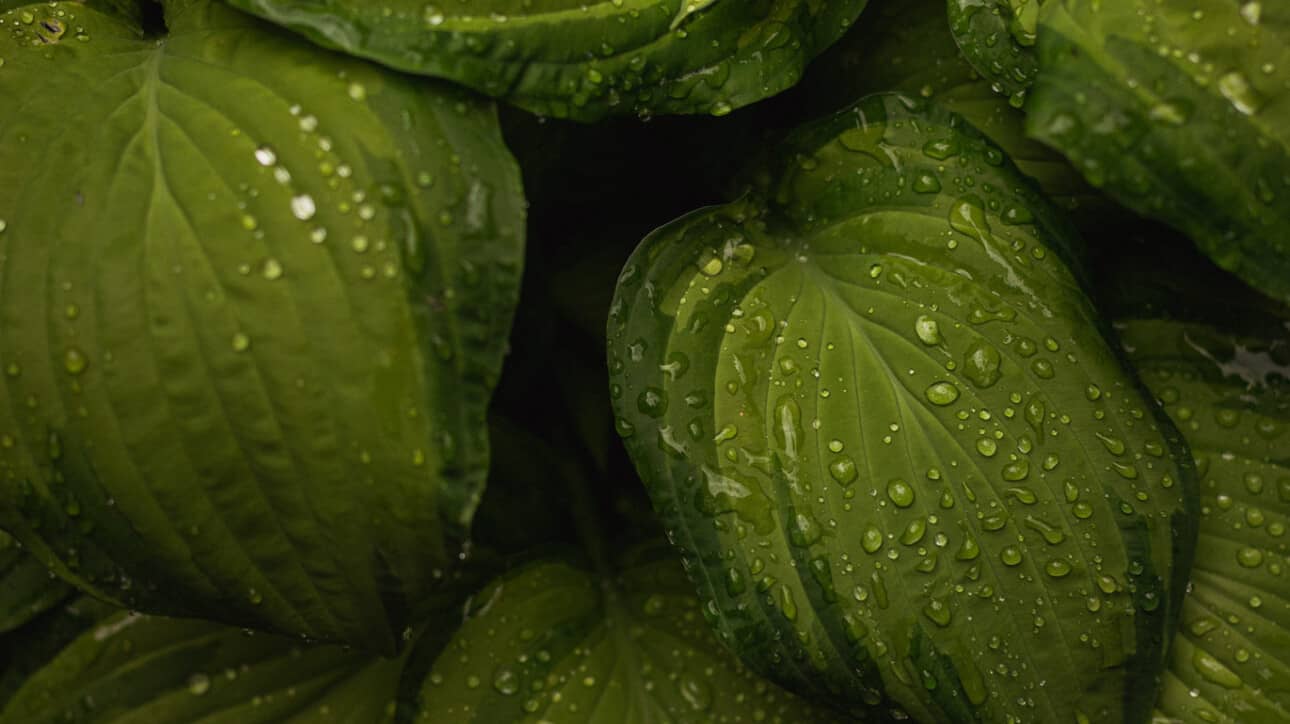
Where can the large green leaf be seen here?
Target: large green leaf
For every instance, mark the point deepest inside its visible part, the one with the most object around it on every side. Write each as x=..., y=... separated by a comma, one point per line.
x=27, y=588
x=554, y=642
x=254, y=300
x=998, y=39
x=906, y=46
x=137, y=669
x=1230, y=395
x=585, y=59
x=873, y=405
x=1181, y=110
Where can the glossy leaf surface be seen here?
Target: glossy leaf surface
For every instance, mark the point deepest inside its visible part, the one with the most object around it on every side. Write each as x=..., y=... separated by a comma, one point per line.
x=906, y=46
x=1230, y=395
x=873, y=406
x=1181, y=111
x=253, y=300
x=553, y=642
x=998, y=38
x=585, y=59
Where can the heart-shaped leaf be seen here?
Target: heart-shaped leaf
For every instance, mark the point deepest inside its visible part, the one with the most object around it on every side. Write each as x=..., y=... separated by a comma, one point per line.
x=255, y=297
x=552, y=641
x=874, y=408
x=585, y=59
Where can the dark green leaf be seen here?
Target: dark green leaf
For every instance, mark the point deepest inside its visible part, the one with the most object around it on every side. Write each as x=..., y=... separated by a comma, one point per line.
x=998, y=38
x=585, y=59
x=552, y=641
x=25, y=651
x=876, y=411
x=255, y=298
x=1182, y=112
x=1230, y=395
x=906, y=46
x=135, y=669
x=27, y=588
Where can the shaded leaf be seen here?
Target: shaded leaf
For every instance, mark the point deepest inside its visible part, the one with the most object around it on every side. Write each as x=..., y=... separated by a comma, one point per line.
x=1230, y=395
x=552, y=641
x=1181, y=111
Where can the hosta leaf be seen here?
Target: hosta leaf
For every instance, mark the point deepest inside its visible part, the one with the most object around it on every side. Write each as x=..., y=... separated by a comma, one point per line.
x=998, y=38
x=1182, y=112
x=873, y=405
x=145, y=669
x=1230, y=395
x=585, y=59
x=254, y=300
x=552, y=641
x=26, y=650
x=27, y=588
x=906, y=46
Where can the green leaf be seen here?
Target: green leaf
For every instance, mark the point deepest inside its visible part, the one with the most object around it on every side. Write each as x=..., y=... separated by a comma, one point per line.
x=27, y=588
x=135, y=668
x=876, y=411
x=255, y=299
x=998, y=38
x=1181, y=111
x=551, y=641
x=1230, y=395
x=124, y=9
x=906, y=46
x=585, y=59
x=26, y=650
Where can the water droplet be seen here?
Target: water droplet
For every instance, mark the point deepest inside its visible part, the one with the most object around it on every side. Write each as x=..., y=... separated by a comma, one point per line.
x=928, y=331
x=981, y=365
x=241, y=342
x=75, y=361
x=265, y=156
x=1011, y=556
x=900, y=493
x=1250, y=557
x=303, y=207
x=942, y=394
x=1057, y=568
x=871, y=539
x=506, y=682
x=199, y=684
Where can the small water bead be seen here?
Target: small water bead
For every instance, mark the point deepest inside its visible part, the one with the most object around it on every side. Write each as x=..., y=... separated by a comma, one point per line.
x=928, y=330
x=241, y=342
x=1249, y=557
x=987, y=447
x=75, y=361
x=303, y=207
x=272, y=270
x=871, y=539
x=199, y=684
x=900, y=493
x=942, y=394
x=1011, y=556
x=1057, y=568
x=265, y=156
